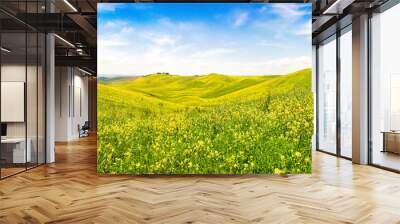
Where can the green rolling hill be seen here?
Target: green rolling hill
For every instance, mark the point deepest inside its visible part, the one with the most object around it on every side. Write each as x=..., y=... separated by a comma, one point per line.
x=202, y=90
x=211, y=124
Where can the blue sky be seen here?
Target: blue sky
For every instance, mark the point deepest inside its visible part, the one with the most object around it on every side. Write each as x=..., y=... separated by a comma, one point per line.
x=197, y=39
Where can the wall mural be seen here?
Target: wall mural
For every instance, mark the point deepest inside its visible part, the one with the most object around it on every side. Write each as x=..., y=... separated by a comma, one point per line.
x=201, y=88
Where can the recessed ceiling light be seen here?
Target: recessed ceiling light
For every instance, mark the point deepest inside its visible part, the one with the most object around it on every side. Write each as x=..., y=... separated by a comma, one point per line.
x=5, y=50
x=86, y=72
x=70, y=5
x=337, y=7
x=64, y=40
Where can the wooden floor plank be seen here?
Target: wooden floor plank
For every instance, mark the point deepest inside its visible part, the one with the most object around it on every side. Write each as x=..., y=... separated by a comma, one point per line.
x=70, y=191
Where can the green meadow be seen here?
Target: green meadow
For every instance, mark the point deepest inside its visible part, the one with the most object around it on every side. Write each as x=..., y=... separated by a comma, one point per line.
x=211, y=124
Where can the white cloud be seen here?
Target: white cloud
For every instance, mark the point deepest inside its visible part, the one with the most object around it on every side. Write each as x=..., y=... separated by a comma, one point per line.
x=263, y=9
x=287, y=64
x=240, y=19
x=180, y=25
x=141, y=6
x=290, y=10
x=265, y=43
x=115, y=33
x=107, y=7
x=305, y=29
x=127, y=52
x=112, y=7
x=160, y=59
x=288, y=22
x=165, y=21
x=162, y=39
x=185, y=47
x=114, y=24
x=213, y=52
x=111, y=43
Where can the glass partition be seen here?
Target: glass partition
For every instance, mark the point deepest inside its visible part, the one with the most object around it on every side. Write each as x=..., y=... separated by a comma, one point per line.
x=13, y=94
x=22, y=78
x=385, y=89
x=346, y=93
x=327, y=96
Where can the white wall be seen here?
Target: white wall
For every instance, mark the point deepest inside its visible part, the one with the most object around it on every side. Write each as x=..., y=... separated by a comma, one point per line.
x=81, y=94
x=14, y=73
x=62, y=82
x=33, y=127
x=17, y=73
x=71, y=87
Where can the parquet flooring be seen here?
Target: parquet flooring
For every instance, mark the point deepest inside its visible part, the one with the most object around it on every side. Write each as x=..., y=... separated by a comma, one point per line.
x=10, y=171
x=70, y=191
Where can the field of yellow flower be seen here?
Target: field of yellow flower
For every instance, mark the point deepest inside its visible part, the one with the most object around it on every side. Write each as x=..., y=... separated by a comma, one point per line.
x=214, y=124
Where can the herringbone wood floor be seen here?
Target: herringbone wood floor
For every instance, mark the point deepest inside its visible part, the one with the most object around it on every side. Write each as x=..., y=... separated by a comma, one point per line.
x=70, y=191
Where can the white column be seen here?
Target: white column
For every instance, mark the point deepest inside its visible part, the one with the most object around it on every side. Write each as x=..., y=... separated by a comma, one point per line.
x=360, y=89
x=50, y=98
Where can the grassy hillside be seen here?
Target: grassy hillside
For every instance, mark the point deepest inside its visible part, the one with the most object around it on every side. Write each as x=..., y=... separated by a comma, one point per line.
x=193, y=90
x=163, y=123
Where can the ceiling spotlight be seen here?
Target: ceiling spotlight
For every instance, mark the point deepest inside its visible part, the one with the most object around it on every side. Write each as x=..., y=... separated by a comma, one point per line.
x=5, y=50
x=84, y=71
x=65, y=41
x=337, y=7
x=70, y=5
x=79, y=51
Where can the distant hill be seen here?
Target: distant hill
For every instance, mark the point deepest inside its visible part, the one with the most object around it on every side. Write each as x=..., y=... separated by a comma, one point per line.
x=207, y=89
x=115, y=79
x=179, y=89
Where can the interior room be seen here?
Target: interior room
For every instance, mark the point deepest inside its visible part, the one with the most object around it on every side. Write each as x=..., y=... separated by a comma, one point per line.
x=25, y=68
x=22, y=104
x=385, y=105
x=71, y=102
x=48, y=150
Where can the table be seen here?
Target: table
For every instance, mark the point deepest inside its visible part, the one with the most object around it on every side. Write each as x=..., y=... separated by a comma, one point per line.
x=13, y=150
x=391, y=141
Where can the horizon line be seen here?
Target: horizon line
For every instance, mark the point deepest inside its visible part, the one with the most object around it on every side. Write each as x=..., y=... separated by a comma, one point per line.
x=213, y=73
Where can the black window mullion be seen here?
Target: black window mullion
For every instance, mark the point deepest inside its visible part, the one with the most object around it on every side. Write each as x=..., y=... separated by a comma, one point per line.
x=45, y=95
x=26, y=86
x=338, y=81
x=37, y=90
x=0, y=92
x=317, y=96
x=369, y=90
x=45, y=87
